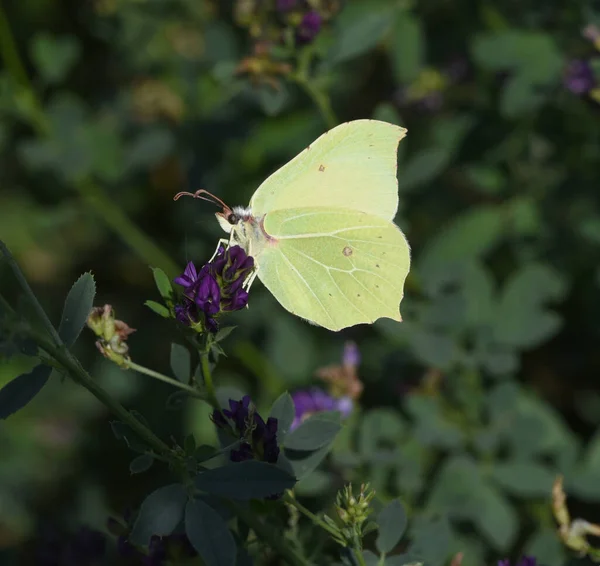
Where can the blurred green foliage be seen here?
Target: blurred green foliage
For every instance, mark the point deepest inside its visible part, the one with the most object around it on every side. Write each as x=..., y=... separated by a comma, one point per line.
x=475, y=402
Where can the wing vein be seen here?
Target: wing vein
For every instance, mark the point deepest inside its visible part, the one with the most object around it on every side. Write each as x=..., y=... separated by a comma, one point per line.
x=307, y=285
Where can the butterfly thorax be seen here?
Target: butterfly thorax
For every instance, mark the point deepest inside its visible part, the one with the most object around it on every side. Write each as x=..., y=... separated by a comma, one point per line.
x=245, y=230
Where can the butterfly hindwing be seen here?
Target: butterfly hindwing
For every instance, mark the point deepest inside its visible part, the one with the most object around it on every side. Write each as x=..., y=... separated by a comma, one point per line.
x=335, y=267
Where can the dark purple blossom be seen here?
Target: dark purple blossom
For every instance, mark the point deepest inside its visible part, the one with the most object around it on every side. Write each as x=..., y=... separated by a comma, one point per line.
x=579, y=77
x=309, y=27
x=215, y=288
x=524, y=561
x=258, y=439
x=315, y=400
x=286, y=5
x=188, y=278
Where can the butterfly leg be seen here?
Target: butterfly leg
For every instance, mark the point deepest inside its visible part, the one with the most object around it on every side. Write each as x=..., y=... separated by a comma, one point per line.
x=221, y=242
x=250, y=279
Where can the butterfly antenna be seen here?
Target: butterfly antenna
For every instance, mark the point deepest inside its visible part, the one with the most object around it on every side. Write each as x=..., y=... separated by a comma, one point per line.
x=199, y=194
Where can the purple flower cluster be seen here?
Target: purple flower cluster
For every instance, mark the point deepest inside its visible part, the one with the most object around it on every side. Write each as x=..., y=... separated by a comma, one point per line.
x=315, y=400
x=258, y=440
x=524, y=561
x=579, y=77
x=215, y=288
x=307, y=21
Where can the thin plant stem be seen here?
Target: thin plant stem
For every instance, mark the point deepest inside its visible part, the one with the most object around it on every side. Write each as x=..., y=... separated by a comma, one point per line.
x=165, y=379
x=290, y=500
x=10, y=53
x=208, y=381
x=93, y=196
x=82, y=377
x=320, y=99
x=30, y=295
x=269, y=535
x=302, y=78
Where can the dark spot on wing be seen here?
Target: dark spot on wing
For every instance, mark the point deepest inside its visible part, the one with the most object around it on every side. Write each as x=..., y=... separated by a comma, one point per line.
x=358, y=294
x=330, y=295
x=377, y=286
x=380, y=237
x=321, y=168
x=376, y=265
x=347, y=251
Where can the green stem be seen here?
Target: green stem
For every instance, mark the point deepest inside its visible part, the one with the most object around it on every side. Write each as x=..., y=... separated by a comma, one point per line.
x=29, y=293
x=269, y=535
x=82, y=377
x=290, y=500
x=166, y=379
x=358, y=553
x=91, y=193
x=302, y=78
x=320, y=99
x=10, y=53
x=208, y=381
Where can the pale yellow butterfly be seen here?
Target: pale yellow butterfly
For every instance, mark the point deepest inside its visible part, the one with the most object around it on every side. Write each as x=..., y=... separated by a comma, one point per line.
x=321, y=228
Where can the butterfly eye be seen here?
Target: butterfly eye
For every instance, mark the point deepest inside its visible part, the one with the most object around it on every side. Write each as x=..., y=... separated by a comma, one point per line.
x=233, y=218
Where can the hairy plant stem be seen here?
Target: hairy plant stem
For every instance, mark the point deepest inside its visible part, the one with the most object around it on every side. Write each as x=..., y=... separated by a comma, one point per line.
x=92, y=195
x=291, y=500
x=207, y=378
x=165, y=379
x=67, y=362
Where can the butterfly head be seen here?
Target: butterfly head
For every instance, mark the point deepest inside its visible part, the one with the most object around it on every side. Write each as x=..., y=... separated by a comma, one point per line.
x=230, y=217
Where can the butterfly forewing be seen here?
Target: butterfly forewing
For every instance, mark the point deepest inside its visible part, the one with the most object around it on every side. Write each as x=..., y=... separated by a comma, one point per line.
x=353, y=166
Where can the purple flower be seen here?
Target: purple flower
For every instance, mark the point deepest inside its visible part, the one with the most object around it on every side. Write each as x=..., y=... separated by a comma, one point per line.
x=351, y=356
x=217, y=287
x=579, y=77
x=309, y=27
x=315, y=400
x=258, y=440
x=286, y=5
x=524, y=561
x=188, y=278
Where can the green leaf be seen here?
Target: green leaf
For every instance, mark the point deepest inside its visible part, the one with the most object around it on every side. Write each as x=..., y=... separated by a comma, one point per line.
x=272, y=100
x=224, y=332
x=546, y=547
x=245, y=480
x=141, y=464
x=313, y=433
x=209, y=534
x=54, y=57
x=392, y=522
x=422, y=168
x=159, y=514
x=379, y=426
x=469, y=235
x=430, y=543
x=181, y=362
x=284, y=411
x=495, y=517
x=358, y=28
x=522, y=320
x=524, y=479
x=77, y=308
x=163, y=283
x=407, y=47
x=303, y=463
x=17, y=393
x=159, y=309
